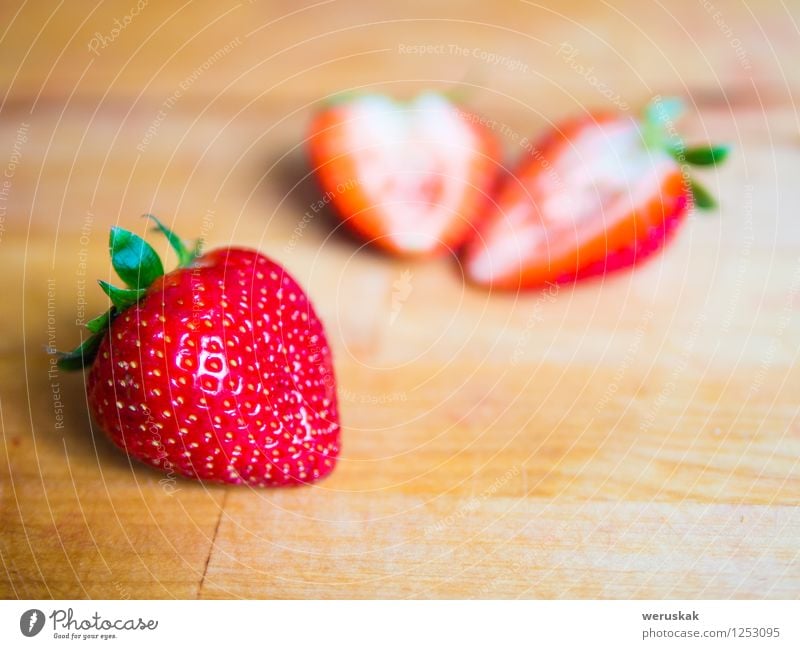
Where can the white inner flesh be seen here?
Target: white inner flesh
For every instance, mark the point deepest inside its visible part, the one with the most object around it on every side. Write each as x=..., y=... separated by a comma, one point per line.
x=599, y=178
x=398, y=148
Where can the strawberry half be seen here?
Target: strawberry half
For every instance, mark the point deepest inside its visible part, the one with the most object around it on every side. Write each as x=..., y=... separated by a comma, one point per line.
x=597, y=194
x=412, y=177
x=219, y=370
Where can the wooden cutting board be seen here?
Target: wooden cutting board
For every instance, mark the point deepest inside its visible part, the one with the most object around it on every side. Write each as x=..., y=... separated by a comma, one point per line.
x=631, y=437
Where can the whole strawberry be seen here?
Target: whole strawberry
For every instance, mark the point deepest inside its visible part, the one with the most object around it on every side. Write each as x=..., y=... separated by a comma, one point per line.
x=219, y=370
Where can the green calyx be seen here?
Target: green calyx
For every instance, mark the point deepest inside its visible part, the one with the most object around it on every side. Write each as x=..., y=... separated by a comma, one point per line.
x=659, y=133
x=185, y=255
x=138, y=265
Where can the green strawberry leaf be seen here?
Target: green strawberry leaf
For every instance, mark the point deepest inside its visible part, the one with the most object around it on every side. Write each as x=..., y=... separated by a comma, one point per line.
x=677, y=151
x=659, y=115
x=658, y=133
x=701, y=196
x=185, y=255
x=663, y=111
x=138, y=265
x=707, y=155
x=101, y=322
x=122, y=298
x=83, y=355
x=133, y=258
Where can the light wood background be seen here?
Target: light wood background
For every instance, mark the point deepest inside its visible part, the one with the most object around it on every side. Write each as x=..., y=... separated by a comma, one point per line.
x=636, y=437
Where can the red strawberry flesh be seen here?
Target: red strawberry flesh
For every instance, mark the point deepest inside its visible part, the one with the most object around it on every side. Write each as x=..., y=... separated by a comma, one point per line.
x=593, y=200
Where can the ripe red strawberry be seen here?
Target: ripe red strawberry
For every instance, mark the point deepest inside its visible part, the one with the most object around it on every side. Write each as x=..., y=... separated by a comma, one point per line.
x=411, y=178
x=218, y=370
x=598, y=193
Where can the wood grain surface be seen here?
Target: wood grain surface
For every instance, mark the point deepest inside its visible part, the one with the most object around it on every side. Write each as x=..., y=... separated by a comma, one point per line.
x=634, y=437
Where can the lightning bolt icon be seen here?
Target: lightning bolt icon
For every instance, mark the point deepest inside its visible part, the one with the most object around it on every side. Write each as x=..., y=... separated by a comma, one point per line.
x=32, y=621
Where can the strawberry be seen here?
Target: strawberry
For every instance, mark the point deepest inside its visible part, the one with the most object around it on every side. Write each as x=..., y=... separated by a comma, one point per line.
x=598, y=193
x=411, y=178
x=218, y=370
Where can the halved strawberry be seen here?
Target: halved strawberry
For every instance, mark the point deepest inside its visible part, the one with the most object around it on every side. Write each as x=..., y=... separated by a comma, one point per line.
x=596, y=194
x=409, y=177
